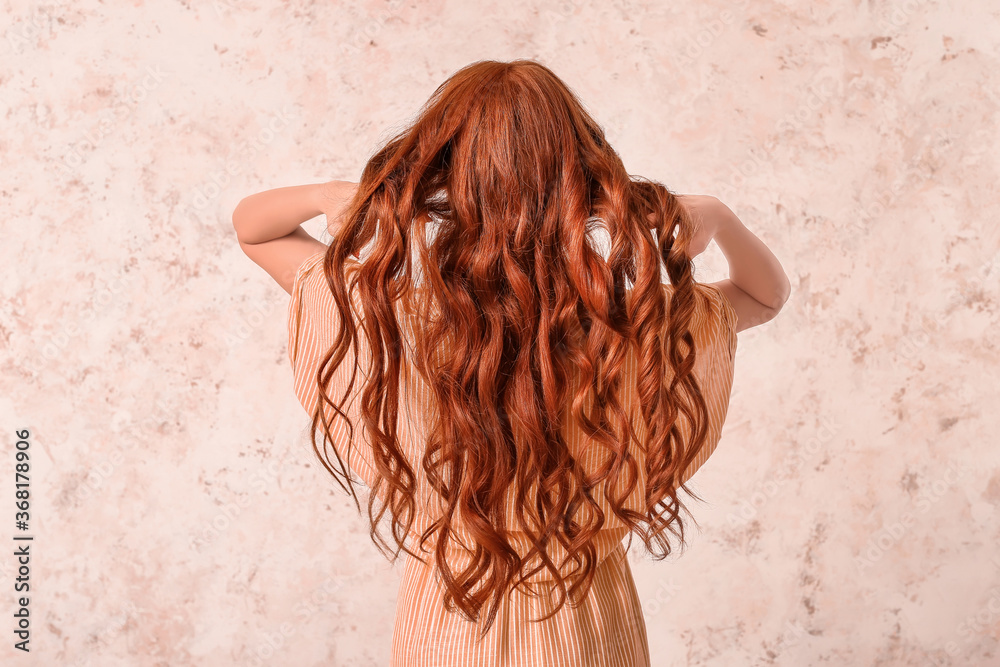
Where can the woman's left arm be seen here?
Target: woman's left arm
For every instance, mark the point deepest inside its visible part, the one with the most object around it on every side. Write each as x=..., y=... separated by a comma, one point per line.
x=269, y=225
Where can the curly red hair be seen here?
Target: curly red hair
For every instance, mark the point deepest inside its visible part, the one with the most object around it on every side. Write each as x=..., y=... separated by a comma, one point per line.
x=522, y=325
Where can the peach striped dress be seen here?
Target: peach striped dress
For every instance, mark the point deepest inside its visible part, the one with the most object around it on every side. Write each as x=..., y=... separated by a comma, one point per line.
x=608, y=628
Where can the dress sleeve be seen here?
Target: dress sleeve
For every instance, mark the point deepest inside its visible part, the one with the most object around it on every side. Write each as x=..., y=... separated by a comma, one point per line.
x=714, y=332
x=722, y=316
x=313, y=320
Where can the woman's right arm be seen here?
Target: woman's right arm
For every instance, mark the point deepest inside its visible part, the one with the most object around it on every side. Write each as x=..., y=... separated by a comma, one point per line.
x=757, y=286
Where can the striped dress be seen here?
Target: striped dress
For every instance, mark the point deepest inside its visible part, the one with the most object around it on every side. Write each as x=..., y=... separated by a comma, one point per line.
x=607, y=629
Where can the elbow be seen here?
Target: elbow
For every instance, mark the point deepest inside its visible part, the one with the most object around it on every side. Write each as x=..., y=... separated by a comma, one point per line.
x=236, y=218
x=771, y=307
x=759, y=316
x=239, y=220
x=783, y=291
x=779, y=295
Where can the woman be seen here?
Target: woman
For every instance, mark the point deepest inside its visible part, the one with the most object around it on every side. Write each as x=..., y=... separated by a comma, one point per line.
x=555, y=400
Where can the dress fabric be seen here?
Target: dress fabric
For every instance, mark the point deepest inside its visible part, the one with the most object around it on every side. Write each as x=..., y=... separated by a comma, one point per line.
x=607, y=629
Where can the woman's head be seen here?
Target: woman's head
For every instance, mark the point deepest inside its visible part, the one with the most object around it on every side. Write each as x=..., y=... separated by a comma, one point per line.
x=515, y=302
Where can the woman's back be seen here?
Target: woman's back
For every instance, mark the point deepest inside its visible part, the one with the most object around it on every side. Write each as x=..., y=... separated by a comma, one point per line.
x=518, y=401
x=607, y=628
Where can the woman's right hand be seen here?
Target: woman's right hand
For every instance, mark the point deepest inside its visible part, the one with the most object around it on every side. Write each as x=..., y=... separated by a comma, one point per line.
x=333, y=198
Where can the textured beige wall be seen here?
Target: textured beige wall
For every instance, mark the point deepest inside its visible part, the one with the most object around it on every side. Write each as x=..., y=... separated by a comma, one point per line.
x=179, y=516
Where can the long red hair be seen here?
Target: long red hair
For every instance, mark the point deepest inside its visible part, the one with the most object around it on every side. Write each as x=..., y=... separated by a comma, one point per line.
x=515, y=303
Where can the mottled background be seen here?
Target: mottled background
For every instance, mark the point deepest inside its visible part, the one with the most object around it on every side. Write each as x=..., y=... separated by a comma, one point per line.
x=179, y=516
